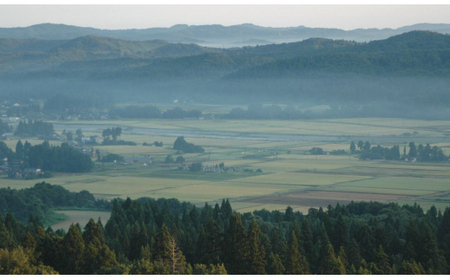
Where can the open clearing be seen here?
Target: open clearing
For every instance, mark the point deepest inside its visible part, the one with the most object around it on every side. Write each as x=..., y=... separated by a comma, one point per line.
x=81, y=217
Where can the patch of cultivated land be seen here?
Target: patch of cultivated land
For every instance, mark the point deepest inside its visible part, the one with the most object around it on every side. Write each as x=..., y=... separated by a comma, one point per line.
x=290, y=175
x=81, y=217
x=320, y=198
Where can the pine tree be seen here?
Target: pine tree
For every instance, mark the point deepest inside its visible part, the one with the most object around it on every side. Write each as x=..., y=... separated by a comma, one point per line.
x=308, y=244
x=382, y=262
x=289, y=214
x=411, y=267
x=296, y=263
x=19, y=149
x=328, y=263
x=235, y=247
x=275, y=265
x=162, y=245
x=72, y=252
x=276, y=241
x=212, y=241
x=343, y=259
x=177, y=260
x=257, y=261
x=354, y=256
x=352, y=147
x=340, y=234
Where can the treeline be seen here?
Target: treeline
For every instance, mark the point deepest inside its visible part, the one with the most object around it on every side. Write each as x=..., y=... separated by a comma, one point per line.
x=153, y=112
x=165, y=236
x=181, y=145
x=34, y=128
x=257, y=111
x=42, y=198
x=62, y=158
x=421, y=153
x=4, y=128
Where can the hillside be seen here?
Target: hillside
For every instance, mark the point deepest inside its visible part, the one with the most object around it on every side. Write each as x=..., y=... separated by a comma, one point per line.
x=214, y=35
x=398, y=69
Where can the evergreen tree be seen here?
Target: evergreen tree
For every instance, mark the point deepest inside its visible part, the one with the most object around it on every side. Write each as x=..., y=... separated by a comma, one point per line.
x=257, y=261
x=352, y=147
x=340, y=234
x=235, y=247
x=275, y=265
x=382, y=262
x=289, y=214
x=354, y=257
x=308, y=244
x=19, y=149
x=162, y=245
x=72, y=252
x=328, y=263
x=296, y=263
x=411, y=267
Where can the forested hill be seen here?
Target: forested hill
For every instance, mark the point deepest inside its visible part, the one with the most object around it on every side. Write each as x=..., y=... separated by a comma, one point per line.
x=165, y=236
x=315, y=70
x=413, y=53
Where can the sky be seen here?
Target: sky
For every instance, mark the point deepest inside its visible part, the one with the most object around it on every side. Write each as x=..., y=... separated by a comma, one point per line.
x=146, y=16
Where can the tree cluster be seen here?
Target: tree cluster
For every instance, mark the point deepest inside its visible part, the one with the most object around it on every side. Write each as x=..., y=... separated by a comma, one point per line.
x=4, y=128
x=181, y=145
x=152, y=112
x=42, y=198
x=421, y=153
x=34, y=128
x=62, y=158
x=426, y=153
x=113, y=132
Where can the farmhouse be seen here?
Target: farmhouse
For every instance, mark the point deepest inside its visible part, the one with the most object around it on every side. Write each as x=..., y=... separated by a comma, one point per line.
x=27, y=171
x=141, y=160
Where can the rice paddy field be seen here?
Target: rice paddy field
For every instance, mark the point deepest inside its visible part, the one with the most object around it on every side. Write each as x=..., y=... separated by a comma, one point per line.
x=269, y=163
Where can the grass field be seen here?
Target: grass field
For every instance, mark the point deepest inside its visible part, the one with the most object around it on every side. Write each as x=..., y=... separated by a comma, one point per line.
x=290, y=175
x=81, y=217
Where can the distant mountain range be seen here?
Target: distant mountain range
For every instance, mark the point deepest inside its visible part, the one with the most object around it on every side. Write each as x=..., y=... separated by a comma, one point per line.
x=406, y=69
x=215, y=35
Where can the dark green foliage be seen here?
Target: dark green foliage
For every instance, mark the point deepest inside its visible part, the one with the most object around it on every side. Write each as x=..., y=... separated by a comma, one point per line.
x=316, y=151
x=34, y=128
x=112, y=158
x=257, y=253
x=275, y=265
x=152, y=112
x=169, y=159
x=235, y=247
x=295, y=262
x=73, y=249
x=352, y=147
x=136, y=112
x=40, y=199
x=167, y=236
x=114, y=132
x=196, y=166
x=180, y=160
x=181, y=145
x=62, y=158
x=4, y=128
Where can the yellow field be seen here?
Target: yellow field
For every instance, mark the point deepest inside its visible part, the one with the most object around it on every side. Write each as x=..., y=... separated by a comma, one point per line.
x=297, y=178
x=297, y=172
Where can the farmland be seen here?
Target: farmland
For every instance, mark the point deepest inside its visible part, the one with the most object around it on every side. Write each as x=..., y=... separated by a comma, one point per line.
x=288, y=174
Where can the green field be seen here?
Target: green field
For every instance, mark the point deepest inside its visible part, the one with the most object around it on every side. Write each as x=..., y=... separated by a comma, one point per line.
x=288, y=170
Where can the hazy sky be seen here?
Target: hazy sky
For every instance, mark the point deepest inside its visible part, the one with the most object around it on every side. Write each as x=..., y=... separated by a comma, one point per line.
x=139, y=16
